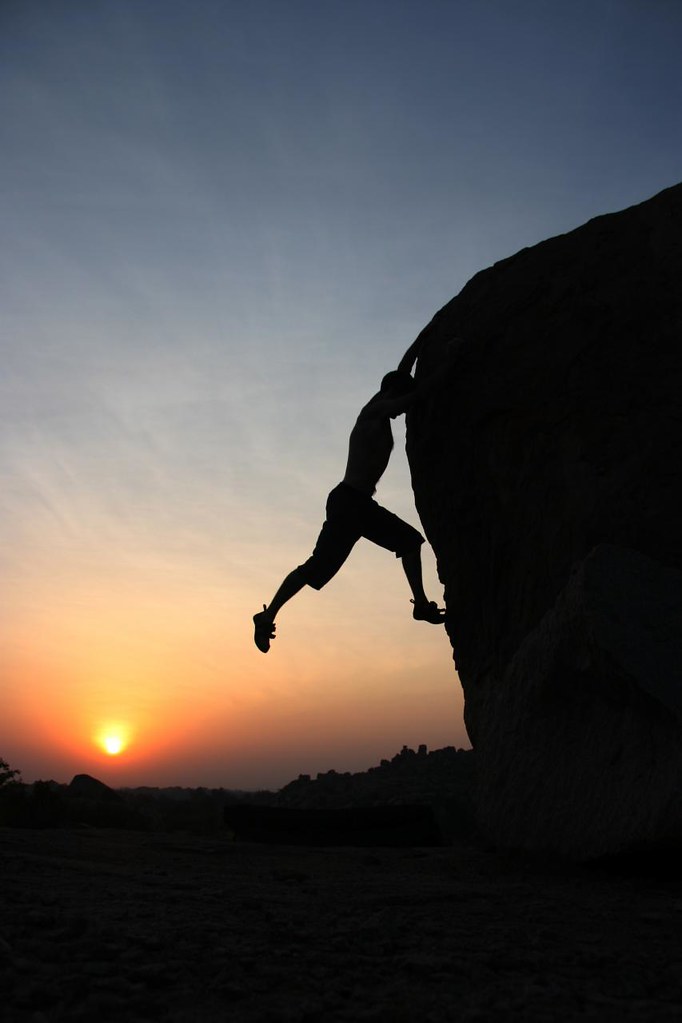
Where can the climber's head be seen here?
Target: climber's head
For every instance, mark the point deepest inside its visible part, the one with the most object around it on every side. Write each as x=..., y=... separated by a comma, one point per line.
x=397, y=383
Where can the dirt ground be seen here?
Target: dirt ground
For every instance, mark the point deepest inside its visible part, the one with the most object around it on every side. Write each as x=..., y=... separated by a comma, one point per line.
x=132, y=926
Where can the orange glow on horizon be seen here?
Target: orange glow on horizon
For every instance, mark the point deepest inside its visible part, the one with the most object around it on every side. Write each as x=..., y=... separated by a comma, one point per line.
x=147, y=686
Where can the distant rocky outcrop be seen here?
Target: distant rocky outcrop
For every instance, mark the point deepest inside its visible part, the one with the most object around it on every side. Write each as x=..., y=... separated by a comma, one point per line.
x=417, y=798
x=415, y=791
x=548, y=477
x=411, y=776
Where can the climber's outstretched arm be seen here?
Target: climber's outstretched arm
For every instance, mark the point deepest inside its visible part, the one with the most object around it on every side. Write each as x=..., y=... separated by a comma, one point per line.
x=414, y=351
x=449, y=354
x=450, y=348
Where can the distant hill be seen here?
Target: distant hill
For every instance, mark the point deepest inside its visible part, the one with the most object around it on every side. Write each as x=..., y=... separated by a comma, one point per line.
x=442, y=779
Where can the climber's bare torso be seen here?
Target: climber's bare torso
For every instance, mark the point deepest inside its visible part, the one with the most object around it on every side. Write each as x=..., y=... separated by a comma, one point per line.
x=371, y=443
x=371, y=439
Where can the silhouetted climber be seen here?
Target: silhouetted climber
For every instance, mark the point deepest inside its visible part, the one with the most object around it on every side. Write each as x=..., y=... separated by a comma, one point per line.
x=351, y=510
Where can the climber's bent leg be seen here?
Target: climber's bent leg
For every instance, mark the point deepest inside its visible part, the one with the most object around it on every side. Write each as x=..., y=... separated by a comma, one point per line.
x=412, y=566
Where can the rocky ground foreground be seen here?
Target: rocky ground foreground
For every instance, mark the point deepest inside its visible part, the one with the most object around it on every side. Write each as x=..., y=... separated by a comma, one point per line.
x=111, y=925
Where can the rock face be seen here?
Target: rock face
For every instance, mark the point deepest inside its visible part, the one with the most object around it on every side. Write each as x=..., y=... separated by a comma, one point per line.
x=548, y=476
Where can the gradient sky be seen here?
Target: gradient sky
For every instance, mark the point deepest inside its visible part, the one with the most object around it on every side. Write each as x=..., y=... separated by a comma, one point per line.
x=222, y=222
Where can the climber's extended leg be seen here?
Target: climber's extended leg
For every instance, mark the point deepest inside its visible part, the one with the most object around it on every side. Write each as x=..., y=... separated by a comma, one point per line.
x=264, y=621
x=338, y=536
x=263, y=629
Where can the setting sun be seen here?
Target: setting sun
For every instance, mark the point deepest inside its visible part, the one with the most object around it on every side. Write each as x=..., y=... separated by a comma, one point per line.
x=113, y=739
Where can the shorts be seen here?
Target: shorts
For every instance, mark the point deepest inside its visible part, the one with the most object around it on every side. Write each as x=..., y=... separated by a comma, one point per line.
x=351, y=515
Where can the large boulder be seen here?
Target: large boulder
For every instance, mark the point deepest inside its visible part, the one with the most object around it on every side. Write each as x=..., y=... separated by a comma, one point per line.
x=559, y=431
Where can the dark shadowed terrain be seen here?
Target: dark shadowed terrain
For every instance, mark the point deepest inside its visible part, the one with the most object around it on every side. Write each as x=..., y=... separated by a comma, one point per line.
x=130, y=925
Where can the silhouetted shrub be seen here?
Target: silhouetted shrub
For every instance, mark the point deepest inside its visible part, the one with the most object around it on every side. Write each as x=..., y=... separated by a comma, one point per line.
x=8, y=774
